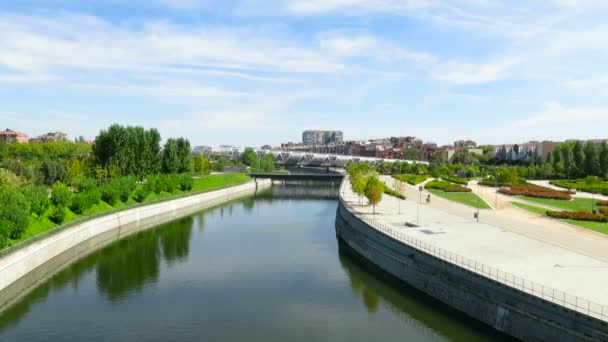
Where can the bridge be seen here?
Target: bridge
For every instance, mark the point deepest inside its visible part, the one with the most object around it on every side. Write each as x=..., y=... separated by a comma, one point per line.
x=337, y=177
x=289, y=158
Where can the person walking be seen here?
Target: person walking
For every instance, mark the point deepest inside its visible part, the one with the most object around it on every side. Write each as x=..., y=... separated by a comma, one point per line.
x=428, y=199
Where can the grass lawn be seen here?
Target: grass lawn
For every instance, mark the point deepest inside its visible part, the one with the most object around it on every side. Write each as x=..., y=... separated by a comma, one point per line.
x=467, y=198
x=42, y=224
x=595, y=226
x=576, y=204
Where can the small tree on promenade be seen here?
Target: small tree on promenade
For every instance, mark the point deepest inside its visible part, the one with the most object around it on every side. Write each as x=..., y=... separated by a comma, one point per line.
x=373, y=191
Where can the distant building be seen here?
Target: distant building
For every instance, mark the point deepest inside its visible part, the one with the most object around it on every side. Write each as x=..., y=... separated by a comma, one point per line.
x=266, y=147
x=9, y=136
x=51, y=136
x=525, y=152
x=322, y=137
x=465, y=144
x=202, y=150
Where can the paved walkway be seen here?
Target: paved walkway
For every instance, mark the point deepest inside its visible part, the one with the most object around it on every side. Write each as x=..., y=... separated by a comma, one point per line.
x=537, y=249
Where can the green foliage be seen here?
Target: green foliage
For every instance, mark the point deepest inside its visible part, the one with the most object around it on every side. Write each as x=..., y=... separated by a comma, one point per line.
x=446, y=186
x=176, y=156
x=130, y=150
x=603, y=156
x=202, y=165
x=387, y=190
x=38, y=199
x=45, y=150
x=249, y=157
x=124, y=187
x=461, y=181
x=185, y=182
x=61, y=195
x=591, y=164
x=58, y=214
x=411, y=179
x=14, y=215
x=596, y=187
x=110, y=194
x=53, y=171
x=374, y=189
x=162, y=183
x=140, y=194
x=9, y=180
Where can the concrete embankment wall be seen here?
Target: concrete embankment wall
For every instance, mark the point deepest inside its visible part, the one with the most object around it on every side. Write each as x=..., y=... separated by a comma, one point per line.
x=509, y=310
x=21, y=270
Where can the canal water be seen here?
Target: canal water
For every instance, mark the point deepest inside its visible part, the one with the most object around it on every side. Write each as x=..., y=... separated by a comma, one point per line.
x=267, y=268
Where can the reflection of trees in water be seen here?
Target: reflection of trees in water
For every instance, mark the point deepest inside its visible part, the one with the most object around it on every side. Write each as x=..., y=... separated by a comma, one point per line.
x=128, y=265
x=123, y=267
x=417, y=309
x=301, y=190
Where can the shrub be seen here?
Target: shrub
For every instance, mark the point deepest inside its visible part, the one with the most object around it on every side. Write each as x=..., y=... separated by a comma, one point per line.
x=58, y=214
x=446, y=186
x=61, y=195
x=603, y=211
x=391, y=192
x=38, y=198
x=186, y=182
x=14, y=215
x=461, y=181
x=154, y=184
x=140, y=194
x=86, y=185
x=535, y=191
x=581, y=185
x=411, y=179
x=109, y=194
x=170, y=183
x=577, y=215
x=124, y=187
x=602, y=203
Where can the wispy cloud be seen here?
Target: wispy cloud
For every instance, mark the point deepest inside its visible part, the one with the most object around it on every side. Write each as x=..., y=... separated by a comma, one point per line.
x=555, y=114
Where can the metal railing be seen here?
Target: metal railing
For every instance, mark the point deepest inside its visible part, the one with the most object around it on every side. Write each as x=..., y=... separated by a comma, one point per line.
x=580, y=305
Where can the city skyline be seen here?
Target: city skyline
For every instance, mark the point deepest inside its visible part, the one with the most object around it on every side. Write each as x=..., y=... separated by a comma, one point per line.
x=260, y=72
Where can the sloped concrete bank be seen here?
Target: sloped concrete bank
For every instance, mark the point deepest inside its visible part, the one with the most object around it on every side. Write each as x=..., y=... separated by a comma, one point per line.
x=22, y=269
x=506, y=309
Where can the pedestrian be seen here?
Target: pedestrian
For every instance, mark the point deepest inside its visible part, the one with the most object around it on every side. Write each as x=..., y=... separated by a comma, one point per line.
x=428, y=199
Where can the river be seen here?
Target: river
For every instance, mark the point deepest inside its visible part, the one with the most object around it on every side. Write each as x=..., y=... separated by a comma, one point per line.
x=267, y=268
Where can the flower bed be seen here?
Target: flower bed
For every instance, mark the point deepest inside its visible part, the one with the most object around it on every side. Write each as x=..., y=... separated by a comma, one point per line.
x=602, y=203
x=535, y=191
x=577, y=215
x=446, y=186
x=604, y=211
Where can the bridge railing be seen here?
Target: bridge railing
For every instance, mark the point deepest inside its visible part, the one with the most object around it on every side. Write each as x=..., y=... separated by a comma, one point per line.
x=578, y=304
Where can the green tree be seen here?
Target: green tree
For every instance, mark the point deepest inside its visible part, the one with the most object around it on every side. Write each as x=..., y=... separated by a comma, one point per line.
x=53, y=171
x=14, y=215
x=568, y=160
x=202, y=166
x=267, y=163
x=592, y=160
x=373, y=191
x=61, y=195
x=579, y=159
x=249, y=157
x=358, y=184
x=38, y=199
x=176, y=156
x=604, y=159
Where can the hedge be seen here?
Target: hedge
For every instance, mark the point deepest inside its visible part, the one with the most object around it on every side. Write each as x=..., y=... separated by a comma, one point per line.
x=603, y=211
x=461, y=181
x=411, y=179
x=446, y=186
x=393, y=193
x=535, y=191
x=577, y=215
x=580, y=185
x=602, y=203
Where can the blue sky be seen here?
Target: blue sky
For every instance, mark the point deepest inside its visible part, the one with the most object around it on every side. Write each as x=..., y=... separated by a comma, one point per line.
x=251, y=72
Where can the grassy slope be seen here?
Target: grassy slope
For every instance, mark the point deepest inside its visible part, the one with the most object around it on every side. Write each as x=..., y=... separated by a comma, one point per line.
x=467, y=198
x=595, y=226
x=42, y=224
x=576, y=204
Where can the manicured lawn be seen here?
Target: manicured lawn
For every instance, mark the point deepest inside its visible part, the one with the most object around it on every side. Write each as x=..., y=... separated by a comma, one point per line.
x=467, y=198
x=576, y=204
x=42, y=224
x=595, y=226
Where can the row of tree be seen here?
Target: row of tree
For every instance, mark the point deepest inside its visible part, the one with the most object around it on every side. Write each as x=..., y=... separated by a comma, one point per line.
x=577, y=159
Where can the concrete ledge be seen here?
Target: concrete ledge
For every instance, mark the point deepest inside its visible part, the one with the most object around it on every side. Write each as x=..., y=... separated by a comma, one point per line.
x=92, y=234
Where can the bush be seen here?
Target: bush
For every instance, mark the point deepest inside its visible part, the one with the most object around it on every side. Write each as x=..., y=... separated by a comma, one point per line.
x=186, y=182
x=602, y=203
x=86, y=185
x=446, y=186
x=109, y=194
x=38, y=199
x=58, y=214
x=535, y=191
x=170, y=183
x=61, y=195
x=154, y=184
x=14, y=216
x=603, y=211
x=581, y=185
x=124, y=187
x=393, y=193
x=577, y=215
x=140, y=194
x=411, y=179
x=461, y=181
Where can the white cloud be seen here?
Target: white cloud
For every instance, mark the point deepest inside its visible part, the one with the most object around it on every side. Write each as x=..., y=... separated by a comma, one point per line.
x=470, y=73
x=555, y=114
